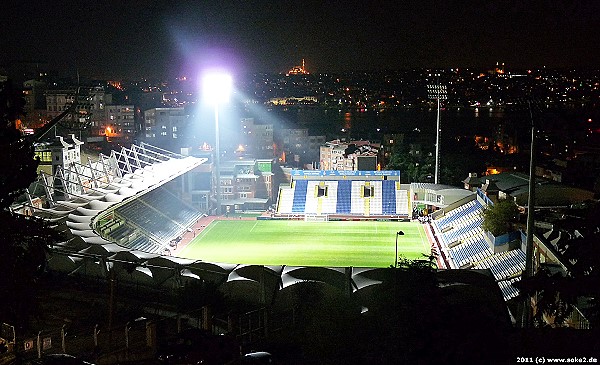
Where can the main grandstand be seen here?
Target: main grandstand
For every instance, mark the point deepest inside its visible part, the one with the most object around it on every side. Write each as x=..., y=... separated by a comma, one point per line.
x=344, y=193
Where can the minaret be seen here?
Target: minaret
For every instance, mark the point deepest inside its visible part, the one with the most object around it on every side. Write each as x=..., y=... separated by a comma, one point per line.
x=303, y=69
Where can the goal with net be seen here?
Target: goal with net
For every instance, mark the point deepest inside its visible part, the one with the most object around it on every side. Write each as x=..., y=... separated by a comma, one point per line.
x=312, y=217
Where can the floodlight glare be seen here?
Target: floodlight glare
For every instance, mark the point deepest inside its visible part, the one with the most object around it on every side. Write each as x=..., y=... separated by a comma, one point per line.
x=217, y=87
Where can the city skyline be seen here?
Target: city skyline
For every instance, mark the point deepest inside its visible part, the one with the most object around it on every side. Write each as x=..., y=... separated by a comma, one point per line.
x=157, y=39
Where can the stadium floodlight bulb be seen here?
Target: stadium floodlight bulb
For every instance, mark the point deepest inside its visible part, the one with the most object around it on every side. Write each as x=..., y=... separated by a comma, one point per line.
x=217, y=87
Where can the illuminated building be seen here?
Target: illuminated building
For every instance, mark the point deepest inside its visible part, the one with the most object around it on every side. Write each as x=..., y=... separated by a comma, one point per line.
x=116, y=84
x=297, y=148
x=349, y=156
x=298, y=70
x=35, y=103
x=119, y=122
x=292, y=100
x=90, y=106
x=390, y=141
x=245, y=184
x=162, y=125
x=499, y=70
x=257, y=139
x=33, y=92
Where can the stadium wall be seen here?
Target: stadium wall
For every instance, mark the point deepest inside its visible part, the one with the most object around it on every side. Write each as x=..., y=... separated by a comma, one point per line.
x=344, y=175
x=505, y=242
x=453, y=205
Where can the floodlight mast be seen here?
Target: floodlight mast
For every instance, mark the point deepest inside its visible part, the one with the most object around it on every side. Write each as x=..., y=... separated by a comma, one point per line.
x=217, y=88
x=217, y=160
x=529, y=251
x=437, y=140
x=438, y=92
x=399, y=233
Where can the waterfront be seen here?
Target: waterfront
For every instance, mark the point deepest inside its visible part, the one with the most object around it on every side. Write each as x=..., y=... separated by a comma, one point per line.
x=372, y=124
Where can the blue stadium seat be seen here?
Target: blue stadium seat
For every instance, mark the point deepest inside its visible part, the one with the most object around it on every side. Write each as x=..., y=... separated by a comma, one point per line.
x=344, y=193
x=300, y=187
x=389, y=197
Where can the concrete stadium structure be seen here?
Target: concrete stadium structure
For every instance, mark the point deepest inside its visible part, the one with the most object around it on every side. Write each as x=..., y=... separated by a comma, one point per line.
x=120, y=221
x=93, y=202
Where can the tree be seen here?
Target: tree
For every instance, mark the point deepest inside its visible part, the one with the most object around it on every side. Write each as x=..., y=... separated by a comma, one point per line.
x=22, y=262
x=23, y=239
x=459, y=157
x=18, y=164
x=498, y=218
x=415, y=167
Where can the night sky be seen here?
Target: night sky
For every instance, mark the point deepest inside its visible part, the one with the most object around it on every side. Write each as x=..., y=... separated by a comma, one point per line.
x=122, y=39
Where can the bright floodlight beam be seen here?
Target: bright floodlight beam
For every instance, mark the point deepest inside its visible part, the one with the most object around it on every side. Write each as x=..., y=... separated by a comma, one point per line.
x=217, y=87
x=216, y=90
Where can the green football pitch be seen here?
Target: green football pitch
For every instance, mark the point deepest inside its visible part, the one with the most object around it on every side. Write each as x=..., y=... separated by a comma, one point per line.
x=299, y=243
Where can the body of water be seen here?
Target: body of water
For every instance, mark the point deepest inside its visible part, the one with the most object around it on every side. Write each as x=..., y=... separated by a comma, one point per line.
x=372, y=124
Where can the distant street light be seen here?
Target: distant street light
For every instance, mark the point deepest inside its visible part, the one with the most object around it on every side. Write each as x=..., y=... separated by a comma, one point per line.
x=399, y=233
x=217, y=88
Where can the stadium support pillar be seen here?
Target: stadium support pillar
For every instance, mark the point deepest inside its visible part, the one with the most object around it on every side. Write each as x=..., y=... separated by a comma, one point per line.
x=348, y=282
x=206, y=318
x=263, y=295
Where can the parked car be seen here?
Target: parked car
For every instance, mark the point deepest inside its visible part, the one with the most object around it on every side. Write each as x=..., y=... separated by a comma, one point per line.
x=259, y=358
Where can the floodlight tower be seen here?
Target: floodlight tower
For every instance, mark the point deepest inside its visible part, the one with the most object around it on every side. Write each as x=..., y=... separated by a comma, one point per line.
x=529, y=251
x=438, y=92
x=217, y=88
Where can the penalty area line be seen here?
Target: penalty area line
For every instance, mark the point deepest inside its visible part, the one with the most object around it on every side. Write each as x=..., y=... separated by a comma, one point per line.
x=424, y=240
